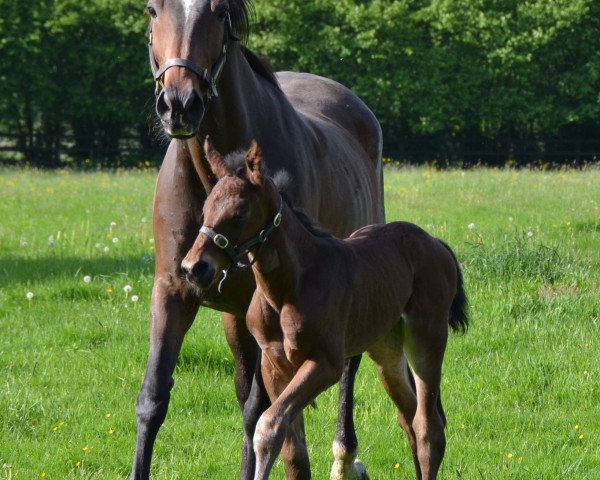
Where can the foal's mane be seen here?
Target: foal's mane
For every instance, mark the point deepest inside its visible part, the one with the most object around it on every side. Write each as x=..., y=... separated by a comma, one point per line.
x=237, y=162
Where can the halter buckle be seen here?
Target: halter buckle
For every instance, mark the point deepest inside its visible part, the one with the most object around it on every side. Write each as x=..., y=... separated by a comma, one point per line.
x=221, y=241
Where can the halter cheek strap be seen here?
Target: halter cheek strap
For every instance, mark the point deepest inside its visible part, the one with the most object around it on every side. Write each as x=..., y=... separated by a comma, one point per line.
x=235, y=252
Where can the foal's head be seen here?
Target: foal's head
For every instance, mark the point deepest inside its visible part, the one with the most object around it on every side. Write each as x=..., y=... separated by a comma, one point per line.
x=188, y=41
x=242, y=204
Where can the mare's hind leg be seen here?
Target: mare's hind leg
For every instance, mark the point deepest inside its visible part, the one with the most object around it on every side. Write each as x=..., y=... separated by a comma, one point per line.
x=345, y=445
x=424, y=347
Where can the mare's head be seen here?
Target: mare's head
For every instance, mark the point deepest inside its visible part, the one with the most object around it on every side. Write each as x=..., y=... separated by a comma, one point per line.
x=188, y=46
x=240, y=208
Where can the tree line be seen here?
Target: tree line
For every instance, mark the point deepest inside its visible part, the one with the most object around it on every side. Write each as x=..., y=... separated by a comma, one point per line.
x=448, y=79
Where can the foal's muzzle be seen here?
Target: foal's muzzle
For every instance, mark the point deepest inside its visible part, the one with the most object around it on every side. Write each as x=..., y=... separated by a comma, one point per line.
x=200, y=273
x=180, y=112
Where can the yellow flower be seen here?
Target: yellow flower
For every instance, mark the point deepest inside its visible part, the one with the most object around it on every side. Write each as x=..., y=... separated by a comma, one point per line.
x=109, y=290
x=43, y=475
x=577, y=427
x=110, y=431
x=462, y=426
x=86, y=449
x=510, y=455
x=78, y=463
x=397, y=466
x=580, y=437
x=108, y=415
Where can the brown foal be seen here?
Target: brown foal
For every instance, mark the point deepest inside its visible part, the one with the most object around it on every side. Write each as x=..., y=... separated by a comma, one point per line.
x=388, y=290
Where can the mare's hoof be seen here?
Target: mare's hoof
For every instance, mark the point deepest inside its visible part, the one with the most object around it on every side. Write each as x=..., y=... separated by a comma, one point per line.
x=354, y=471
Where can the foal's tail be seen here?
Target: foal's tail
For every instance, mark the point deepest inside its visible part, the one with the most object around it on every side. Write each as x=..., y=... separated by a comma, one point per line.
x=458, y=311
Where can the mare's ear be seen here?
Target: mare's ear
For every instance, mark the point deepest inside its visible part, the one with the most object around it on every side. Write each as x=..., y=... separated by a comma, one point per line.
x=215, y=160
x=254, y=164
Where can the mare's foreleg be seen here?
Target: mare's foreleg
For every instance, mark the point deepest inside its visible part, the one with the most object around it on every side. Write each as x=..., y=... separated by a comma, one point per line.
x=172, y=313
x=345, y=445
x=316, y=374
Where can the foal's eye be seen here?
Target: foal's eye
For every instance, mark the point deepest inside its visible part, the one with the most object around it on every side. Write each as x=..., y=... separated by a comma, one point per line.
x=222, y=13
x=151, y=11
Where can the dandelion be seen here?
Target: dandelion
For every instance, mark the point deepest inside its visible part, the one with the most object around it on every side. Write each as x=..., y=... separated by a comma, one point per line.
x=151, y=241
x=87, y=279
x=115, y=240
x=462, y=426
x=144, y=219
x=396, y=466
x=108, y=415
x=109, y=290
x=113, y=224
x=127, y=288
x=581, y=436
x=577, y=427
x=85, y=449
x=29, y=295
x=78, y=463
x=135, y=298
x=471, y=226
x=105, y=249
x=110, y=431
x=24, y=243
x=98, y=245
x=43, y=475
x=510, y=455
x=529, y=234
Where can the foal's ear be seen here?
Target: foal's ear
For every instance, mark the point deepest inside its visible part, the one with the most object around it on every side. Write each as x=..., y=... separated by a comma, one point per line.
x=254, y=164
x=215, y=160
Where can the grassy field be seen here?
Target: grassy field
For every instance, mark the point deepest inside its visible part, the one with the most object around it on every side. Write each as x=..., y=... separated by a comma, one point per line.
x=521, y=388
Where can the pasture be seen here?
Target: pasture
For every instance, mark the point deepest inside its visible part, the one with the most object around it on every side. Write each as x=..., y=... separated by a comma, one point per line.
x=520, y=388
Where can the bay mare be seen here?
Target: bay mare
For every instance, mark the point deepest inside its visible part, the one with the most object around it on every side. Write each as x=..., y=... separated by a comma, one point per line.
x=391, y=290
x=208, y=82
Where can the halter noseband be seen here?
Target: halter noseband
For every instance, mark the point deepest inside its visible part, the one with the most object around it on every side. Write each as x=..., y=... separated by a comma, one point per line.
x=235, y=252
x=210, y=78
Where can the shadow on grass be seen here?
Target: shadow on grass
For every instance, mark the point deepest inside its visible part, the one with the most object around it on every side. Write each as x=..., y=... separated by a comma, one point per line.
x=19, y=270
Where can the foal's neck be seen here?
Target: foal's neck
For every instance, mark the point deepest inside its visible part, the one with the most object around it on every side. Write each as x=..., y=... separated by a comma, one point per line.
x=288, y=253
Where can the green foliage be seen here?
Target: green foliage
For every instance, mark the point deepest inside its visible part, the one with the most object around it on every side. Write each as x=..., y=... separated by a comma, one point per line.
x=440, y=70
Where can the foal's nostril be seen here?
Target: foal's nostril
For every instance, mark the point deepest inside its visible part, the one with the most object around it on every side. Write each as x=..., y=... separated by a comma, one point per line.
x=201, y=273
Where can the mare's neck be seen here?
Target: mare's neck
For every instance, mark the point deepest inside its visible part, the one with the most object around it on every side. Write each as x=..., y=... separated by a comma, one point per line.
x=233, y=118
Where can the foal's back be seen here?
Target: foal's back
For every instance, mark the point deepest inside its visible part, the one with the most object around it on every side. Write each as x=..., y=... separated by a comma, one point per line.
x=397, y=270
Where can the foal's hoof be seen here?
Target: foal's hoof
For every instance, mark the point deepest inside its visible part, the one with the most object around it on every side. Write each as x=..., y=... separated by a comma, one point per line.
x=354, y=471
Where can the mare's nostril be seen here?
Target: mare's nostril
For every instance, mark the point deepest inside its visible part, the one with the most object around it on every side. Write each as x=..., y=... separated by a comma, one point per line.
x=194, y=107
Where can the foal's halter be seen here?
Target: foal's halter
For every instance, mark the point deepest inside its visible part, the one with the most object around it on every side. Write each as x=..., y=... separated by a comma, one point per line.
x=235, y=252
x=210, y=77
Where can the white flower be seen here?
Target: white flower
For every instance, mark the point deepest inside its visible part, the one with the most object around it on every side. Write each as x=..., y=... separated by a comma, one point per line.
x=115, y=240
x=24, y=243
x=510, y=219
x=151, y=241
x=144, y=219
x=87, y=279
x=134, y=298
x=51, y=241
x=29, y=295
x=471, y=226
x=127, y=288
x=529, y=234
x=113, y=224
x=105, y=249
x=98, y=245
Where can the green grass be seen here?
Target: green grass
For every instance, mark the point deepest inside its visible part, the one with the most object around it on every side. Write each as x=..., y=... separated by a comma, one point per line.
x=520, y=388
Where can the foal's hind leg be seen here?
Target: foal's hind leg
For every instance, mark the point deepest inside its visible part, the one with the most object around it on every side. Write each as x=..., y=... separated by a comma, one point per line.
x=424, y=347
x=393, y=370
x=345, y=445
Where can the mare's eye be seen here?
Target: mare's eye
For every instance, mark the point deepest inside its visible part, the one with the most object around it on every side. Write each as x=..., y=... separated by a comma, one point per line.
x=151, y=11
x=222, y=13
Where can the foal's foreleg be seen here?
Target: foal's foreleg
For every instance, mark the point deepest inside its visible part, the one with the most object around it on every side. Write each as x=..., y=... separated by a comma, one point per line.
x=172, y=313
x=345, y=445
x=314, y=376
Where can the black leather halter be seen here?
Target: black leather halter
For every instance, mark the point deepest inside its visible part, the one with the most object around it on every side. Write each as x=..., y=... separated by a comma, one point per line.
x=210, y=77
x=235, y=252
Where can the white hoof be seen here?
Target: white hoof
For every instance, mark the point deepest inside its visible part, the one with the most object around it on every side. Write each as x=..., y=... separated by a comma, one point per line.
x=344, y=471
